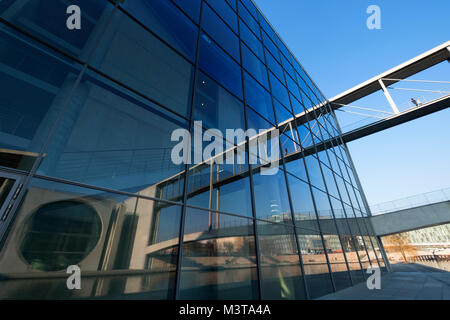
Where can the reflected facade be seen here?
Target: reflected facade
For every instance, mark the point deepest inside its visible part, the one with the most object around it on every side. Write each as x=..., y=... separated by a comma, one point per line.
x=86, y=170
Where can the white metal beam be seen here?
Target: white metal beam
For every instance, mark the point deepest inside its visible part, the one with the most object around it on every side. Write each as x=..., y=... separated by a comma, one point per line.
x=388, y=97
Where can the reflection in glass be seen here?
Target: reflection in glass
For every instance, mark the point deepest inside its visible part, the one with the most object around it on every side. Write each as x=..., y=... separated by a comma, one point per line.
x=123, y=245
x=219, y=260
x=34, y=85
x=314, y=263
x=280, y=269
x=114, y=139
x=337, y=261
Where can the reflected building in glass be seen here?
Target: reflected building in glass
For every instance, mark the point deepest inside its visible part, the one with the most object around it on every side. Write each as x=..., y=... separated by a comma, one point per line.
x=86, y=176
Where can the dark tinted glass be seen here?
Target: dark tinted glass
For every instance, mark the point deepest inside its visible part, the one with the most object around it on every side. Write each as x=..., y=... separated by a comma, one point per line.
x=254, y=66
x=225, y=12
x=219, y=65
x=220, y=32
x=258, y=98
x=163, y=18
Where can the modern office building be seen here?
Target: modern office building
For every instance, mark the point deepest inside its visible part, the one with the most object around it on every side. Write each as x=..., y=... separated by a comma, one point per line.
x=86, y=170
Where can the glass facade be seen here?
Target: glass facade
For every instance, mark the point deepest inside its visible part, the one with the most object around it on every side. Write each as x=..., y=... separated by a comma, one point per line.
x=87, y=178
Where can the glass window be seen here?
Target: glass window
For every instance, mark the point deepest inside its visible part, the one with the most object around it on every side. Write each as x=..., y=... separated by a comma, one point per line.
x=283, y=114
x=163, y=18
x=315, y=175
x=34, y=85
x=304, y=212
x=280, y=266
x=220, y=66
x=292, y=86
x=225, y=11
x=351, y=252
x=224, y=187
x=314, y=263
x=287, y=66
x=130, y=246
x=251, y=41
x=271, y=196
x=114, y=139
x=191, y=7
x=47, y=20
x=251, y=7
x=278, y=90
x=297, y=168
x=296, y=105
x=215, y=107
x=329, y=179
x=336, y=257
x=322, y=204
x=275, y=67
x=220, y=32
x=258, y=98
x=166, y=77
x=254, y=66
x=284, y=50
x=288, y=145
x=267, y=28
x=271, y=46
x=249, y=20
x=218, y=258
x=255, y=121
x=232, y=3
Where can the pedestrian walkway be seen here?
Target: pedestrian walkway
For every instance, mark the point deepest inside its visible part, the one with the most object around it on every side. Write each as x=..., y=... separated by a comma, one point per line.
x=407, y=282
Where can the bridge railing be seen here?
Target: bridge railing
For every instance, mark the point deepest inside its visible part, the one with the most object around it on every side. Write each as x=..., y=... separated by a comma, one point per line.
x=411, y=202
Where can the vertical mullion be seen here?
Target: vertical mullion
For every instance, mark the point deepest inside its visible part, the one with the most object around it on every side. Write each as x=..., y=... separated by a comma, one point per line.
x=250, y=172
x=186, y=167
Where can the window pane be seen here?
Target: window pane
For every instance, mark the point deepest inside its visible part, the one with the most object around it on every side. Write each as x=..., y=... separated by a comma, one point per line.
x=34, y=85
x=251, y=41
x=163, y=18
x=254, y=66
x=218, y=258
x=225, y=187
x=280, y=263
x=130, y=248
x=315, y=175
x=271, y=46
x=314, y=263
x=337, y=261
x=304, y=213
x=258, y=98
x=216, y=107
x=271, y=196
x=155, y=70
x=249, y=20
x=225, y=12
x=220, y=32
x=282, y=113
x=113, y=139
x=279, y=91
x=220, y=66
x=275, y=67
x=191, y=7
x=47, y=20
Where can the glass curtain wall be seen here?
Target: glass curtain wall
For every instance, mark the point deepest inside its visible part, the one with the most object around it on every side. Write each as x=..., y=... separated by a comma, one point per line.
x=86, y=126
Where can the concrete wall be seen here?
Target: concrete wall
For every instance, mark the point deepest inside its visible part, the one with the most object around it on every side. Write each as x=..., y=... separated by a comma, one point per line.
x=411, y=219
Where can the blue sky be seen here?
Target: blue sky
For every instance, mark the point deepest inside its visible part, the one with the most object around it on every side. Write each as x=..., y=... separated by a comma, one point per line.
x=331, y=40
